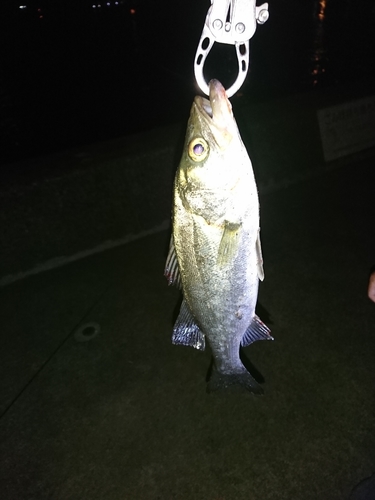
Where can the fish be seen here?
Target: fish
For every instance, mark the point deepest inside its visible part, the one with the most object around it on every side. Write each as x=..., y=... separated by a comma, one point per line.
x=215, y=254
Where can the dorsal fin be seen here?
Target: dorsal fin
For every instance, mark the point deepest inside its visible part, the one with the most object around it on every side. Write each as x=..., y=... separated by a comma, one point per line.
x=171, y=270
x=186, y=331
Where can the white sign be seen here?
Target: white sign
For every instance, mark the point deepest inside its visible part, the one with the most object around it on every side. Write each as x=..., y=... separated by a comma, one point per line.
x=347, y=128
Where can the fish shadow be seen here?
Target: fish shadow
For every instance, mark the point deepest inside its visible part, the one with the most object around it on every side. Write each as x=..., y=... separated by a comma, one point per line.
x=176, y=309
x=250, y=367
x=263, y=314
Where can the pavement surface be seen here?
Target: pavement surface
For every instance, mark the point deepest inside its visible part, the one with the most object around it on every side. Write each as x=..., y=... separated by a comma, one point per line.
x=124, y=414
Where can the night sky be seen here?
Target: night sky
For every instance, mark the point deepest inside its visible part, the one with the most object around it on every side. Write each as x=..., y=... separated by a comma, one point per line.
x=75, y=73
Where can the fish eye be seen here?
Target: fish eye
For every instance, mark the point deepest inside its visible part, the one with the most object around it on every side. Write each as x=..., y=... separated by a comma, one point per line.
x=198, y=149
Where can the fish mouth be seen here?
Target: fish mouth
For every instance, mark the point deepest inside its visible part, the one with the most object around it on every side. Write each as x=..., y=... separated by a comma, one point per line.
x=217, y=109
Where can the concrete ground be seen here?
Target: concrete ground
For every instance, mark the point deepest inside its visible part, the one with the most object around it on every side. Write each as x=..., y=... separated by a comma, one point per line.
x=125, y=415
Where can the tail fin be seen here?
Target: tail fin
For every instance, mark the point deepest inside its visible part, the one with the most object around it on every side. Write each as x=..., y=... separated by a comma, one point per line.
x=233, y=381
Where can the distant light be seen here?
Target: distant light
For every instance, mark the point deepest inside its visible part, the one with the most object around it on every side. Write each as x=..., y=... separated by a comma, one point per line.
x=99, y=5
x=116, y=3
x=108, y=4
x=22, y=7
x=132, y=11
x=40, y=17
x=94, y=6
x=322, y=8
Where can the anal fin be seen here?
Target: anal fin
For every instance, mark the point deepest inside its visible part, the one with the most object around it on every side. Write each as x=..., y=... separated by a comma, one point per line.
x=257, y=330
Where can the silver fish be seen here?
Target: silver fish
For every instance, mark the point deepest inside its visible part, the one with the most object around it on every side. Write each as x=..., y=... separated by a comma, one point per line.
x=215, y=253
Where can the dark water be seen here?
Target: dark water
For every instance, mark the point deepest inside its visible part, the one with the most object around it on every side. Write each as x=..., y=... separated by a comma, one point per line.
x=73, y=74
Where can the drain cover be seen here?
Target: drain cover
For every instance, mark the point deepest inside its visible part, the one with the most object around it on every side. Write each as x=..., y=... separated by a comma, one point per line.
x=87, y=331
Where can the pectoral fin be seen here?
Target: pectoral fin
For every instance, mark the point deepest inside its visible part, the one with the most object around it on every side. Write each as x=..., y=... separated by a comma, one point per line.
x=229, y=243
x=186, y=331
x=258, y=249
x=171, y=270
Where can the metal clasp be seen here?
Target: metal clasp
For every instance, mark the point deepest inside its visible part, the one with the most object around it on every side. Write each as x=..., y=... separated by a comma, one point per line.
x=232, y=22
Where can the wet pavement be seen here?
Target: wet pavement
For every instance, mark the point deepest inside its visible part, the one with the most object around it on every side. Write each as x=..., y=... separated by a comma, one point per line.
x=125, y=415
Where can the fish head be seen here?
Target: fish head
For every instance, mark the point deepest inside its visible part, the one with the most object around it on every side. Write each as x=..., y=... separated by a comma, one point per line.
x=213, y=149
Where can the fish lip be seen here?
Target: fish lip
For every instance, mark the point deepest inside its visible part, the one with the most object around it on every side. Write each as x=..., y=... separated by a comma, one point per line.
x=217, y=109
x=204, y=107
